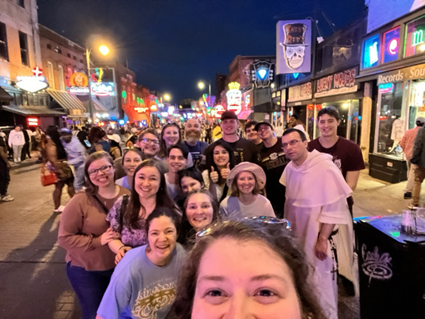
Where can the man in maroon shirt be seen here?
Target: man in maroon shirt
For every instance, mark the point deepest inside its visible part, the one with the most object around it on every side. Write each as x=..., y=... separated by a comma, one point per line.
x=347, y=155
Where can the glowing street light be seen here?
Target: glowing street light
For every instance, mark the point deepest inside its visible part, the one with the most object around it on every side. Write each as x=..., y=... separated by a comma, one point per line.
x=167, y=97
x=201, y=85
x=104, y=49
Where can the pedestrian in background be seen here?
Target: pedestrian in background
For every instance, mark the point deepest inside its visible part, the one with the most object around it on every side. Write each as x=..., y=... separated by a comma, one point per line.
x=26, y=147
x=83, y=137
x=16, y=142
x=407, y=145
x=418, y=158
x=4, y=173
x=98, y=140
x=84, y=233
x=75, y=156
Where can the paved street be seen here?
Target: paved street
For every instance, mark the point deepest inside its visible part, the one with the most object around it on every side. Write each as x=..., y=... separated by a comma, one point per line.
x=32, y=268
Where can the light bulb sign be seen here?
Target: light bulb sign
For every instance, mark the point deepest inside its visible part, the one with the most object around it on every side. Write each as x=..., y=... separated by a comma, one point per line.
x=79, y=84
x=262, y=73
x=234, y=98
x=34, y=83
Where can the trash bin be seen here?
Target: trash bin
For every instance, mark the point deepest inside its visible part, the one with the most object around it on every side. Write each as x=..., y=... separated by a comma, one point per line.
x=391, y=269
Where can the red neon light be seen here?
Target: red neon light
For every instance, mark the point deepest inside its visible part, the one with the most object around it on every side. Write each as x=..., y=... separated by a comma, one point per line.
x=32, y=121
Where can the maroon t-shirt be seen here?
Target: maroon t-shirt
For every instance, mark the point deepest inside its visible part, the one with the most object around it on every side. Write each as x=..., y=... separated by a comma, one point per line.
x=346, y=154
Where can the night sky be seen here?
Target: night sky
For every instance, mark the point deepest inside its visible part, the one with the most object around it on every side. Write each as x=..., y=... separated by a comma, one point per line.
x=172, y=44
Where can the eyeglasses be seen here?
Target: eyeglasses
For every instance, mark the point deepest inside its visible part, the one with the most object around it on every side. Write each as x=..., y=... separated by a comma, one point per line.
x=292, y=143
x=102, y=169
x=260, y=219
x=148, y=140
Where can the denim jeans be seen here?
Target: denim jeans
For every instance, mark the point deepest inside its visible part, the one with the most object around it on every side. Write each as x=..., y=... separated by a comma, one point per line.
x=89, y=287
x=17, y=151
x=79, y=176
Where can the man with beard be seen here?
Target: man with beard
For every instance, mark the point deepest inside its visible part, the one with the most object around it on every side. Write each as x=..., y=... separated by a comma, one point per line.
x=192, y=135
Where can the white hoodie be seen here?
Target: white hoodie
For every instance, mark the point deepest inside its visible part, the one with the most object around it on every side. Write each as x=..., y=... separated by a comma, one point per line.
x=16, y=138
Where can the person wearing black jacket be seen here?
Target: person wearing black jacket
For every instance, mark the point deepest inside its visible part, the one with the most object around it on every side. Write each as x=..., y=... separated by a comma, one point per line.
x=82, y=136
x=26, y=148
x=4, y=173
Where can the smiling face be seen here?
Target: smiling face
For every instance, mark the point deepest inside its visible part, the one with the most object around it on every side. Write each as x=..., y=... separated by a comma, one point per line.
x=131, y=161
x=189, y=184
x=192, y=130
x=263, y=288
x=220, y=156
x=171, y=135
x=147, y=181
x=149, y=144
x=245, y=181
x=176, y=160
x=229, y=126
x=251, y=134
x=101, y=173
x=162, y=238
x=328, y=125
x=199, y=211
x=265, y=132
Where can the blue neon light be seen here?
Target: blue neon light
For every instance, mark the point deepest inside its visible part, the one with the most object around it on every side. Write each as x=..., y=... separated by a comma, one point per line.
x=371, y=52
x=262, y=73
x=295, y=75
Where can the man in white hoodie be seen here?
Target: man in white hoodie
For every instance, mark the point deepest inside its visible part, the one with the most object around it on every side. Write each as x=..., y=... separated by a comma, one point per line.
x=16, y=142
x=75, y=155
x=316, y=207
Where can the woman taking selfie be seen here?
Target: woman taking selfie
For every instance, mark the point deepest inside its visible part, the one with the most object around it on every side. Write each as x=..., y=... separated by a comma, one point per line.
x=245, y=181
x=219, y=163
x=131, y=159
x=144, y=282
x=200, y=210
x=84, y=233
x=128, y=215
x=270, y=285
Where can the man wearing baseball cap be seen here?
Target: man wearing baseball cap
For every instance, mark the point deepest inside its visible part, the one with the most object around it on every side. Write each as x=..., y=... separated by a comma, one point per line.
x=273, y=162
x=244, y=150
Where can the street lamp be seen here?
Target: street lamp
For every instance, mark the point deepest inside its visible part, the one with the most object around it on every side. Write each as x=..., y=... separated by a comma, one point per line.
x=104, y=50
x=201, y=86
x=167, y=97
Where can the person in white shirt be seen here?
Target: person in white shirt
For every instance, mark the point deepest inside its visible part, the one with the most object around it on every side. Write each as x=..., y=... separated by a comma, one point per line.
x=16, y=142
x=246, y=180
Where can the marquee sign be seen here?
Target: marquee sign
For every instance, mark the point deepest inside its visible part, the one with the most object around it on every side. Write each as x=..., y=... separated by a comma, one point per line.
x=410, y=73
x=141, y=109
x=34, y=83
x=338, y=83
x=234, y=98
x=299, y=92
x=262, y=73
x=79, y=84
x=103, y=88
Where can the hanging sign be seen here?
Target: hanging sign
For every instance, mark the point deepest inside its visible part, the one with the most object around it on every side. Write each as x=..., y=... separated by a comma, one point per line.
x=79, y=84
x=34, y=83
x=103, y=88
x=234, y=98
x=262, y=73
x=338, y=83
x=293, y=46
x=299, y=92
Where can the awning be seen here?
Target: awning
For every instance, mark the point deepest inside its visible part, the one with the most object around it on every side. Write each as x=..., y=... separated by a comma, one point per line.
x=4, y=96
x=33, y=110
x=98, y=106
x=66, y=100
x=244, y=114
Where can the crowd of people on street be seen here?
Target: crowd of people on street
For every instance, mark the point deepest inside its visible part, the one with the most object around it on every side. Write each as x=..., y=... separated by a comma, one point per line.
x=178, y=223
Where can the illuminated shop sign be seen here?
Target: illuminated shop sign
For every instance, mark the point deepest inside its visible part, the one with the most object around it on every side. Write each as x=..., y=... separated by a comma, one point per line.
x=79, y=84
x=103, y=88
x=234, y=97
x=386, y=88
x=391, y=45
x=141, y=109
x=32, y=121
x=415, y=38
x=410, y=73
x=262, y=73
x=338, y=83
x=34, y=83
x=299, y=92
x=371, y=52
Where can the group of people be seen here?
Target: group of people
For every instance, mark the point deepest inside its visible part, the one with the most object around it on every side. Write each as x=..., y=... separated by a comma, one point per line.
x=179, y=228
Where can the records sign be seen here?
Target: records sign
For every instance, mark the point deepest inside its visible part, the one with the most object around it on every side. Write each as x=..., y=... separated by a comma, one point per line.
x=293, y=46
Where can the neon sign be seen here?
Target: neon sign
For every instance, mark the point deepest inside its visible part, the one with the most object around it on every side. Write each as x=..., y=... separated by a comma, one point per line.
x=79, y=84
x=103, y=88
x=371, y=52
x=32, y=121
x=386, y=88
x=391, y=45
x=141, y=109
x=418, y=37
x=34, y=83
x=234, y=98
x=415, y=38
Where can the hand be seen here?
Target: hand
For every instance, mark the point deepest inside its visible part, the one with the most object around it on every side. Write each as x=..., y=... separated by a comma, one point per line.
x=120, y=254
x=109, y=235
x=321, y=248
x=213, y=175
x=225, y=171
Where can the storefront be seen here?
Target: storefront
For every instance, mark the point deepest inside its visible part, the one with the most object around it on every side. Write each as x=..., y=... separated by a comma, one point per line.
x=340, y=91
x=398, y=80
x=299, y=96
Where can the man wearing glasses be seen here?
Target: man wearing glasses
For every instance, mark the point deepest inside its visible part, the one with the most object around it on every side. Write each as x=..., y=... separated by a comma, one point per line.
x=316, y=208
x=273, y=162
x=192, y=135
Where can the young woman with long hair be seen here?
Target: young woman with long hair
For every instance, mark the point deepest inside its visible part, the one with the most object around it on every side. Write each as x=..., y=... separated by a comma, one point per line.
x=130, y=160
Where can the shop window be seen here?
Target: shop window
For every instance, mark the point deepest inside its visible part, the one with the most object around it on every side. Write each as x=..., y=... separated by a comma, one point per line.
x=3, y=43
x=21, y=3
x=68, y=55
x=61, y=78
x=30, y=99
x=36, y=99
x=416, y=102
x=370, y=52
x=415, y=37
x=23, y=43
x=391, y=44
x=51, y=74
x=18, y=99
x=24, y=99
x=58, y=50
x=390, y=119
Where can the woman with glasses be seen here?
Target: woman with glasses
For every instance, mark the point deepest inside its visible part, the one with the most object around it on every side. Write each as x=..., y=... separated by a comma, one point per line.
x=144, y=282
x=245, y=181
x=130, y=160
x=84, y=233
x=219, y=162
x=200, y=211
x=128, y=215
x=270, y=284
